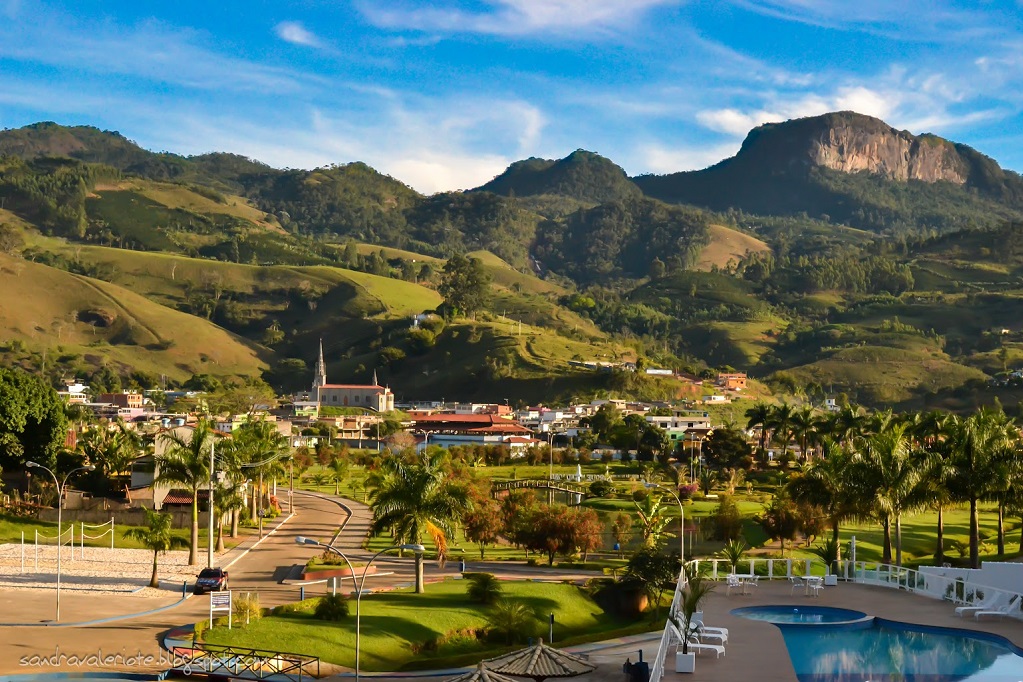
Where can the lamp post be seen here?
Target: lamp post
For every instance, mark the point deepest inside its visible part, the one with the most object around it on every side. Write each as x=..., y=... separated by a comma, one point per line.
x=550, y=469
x=418, y=549
x=210, y=507
x=681, y=518
x=60, y=506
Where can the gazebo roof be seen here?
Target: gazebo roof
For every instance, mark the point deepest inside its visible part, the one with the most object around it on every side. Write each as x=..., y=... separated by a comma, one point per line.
x=540, y=662
x=481, y=674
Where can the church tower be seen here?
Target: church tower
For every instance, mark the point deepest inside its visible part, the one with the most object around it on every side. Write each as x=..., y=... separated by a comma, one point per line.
x=320, y=377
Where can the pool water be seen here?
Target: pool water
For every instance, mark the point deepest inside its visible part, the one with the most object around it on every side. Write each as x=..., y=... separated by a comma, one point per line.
x=799, y=614
x=877, y=650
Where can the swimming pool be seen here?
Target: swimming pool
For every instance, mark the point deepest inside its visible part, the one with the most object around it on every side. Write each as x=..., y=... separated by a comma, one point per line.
x=798, y=614
x=880, y=650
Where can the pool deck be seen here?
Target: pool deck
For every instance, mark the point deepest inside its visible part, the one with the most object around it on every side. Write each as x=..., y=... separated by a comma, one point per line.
x=756, y=649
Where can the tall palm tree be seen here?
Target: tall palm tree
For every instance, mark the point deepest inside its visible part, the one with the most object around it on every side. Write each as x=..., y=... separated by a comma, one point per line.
x=111, y=450
x=933, y=432
x=339, y=472
x=889, y=476
x=978, y=456
x=848, y=425
x=414, y=500
x=187, y=462
x=261, y=447
x=227, y=499
x=758, y=417
x=804, y=425
x=780, y=422
x=155, y=535
x=824, y=483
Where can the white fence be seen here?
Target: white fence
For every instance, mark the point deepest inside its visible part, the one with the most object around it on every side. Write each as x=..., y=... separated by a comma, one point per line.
x=954, y=589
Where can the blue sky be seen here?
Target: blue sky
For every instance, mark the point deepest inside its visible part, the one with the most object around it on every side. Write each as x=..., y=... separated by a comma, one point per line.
x=444, y=94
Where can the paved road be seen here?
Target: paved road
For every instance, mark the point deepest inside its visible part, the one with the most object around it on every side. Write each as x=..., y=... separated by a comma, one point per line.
x=137, y=639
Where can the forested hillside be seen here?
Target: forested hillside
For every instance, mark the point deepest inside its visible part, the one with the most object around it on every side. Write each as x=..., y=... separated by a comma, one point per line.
x=831, y=255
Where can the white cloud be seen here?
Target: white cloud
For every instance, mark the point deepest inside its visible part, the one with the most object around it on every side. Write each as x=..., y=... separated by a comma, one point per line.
x=151, y=50
x=297, y=34
x=513, y=17
x=656, y=158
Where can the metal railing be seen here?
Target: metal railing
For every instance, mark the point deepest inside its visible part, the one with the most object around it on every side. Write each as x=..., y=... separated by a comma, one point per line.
x=771, y=569
x=236, y=661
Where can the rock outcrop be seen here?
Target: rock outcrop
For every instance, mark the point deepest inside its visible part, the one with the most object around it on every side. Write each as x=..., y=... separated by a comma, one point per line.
x=854, y=143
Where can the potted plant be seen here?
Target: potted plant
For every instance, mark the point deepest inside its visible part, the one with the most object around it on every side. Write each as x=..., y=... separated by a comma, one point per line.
x=684, y=619
x=828, y=553
x=733, y=552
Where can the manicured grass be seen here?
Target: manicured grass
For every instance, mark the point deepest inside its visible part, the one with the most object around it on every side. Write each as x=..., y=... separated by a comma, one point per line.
x=394, y=622
x=11, y=528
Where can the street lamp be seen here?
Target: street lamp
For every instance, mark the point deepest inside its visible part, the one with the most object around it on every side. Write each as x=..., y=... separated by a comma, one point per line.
x=681, y=519
x=60, y=506
x=418, y=549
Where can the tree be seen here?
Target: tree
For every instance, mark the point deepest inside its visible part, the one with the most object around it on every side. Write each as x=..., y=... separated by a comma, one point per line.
x=621, y=528
x=780, y=423
x=415, y=500
x=727, y=520
x=727, y=448
x=552, y=530
x=33, y=425
x=824, y=482
x=978, y=457
x=338, y=472
x=483, y=524
x=653, y=520
x=804, y=425
x=112, y=451
x=512, y=619
x=655, y=572
x=227, y=499
x=781, y=520
x=187, y=461
x=758, y=416
x=889, y=476
x=465, y=285
x=156, y=535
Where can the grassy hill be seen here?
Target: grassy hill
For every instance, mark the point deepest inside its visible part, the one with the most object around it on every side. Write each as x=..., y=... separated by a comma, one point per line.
x=727, y=245
x=49, y=316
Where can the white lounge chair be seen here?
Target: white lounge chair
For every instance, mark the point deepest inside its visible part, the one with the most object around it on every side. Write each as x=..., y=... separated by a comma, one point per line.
x=730, y=582
x=705, y=634
x=699, y=624
x=1001, y=611
x=796, y=581
x=991, y=602
x=696, y=646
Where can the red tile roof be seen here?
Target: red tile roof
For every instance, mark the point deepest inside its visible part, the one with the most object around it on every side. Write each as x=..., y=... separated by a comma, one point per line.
x=179, y=496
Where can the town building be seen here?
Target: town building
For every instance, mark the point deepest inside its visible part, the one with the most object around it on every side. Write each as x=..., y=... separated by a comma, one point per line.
x=373, y=397
x=447, y=430
x=129, y=399
x=75, y=392
x=734, y=381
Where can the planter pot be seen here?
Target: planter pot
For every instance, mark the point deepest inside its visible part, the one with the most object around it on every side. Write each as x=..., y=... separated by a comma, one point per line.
x=830, y=580
x=685, y=663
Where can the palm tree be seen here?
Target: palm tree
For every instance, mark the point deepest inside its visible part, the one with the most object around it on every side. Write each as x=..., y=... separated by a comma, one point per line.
x=889, y=476
x=338, y=472
x=758, y=417
x=112, y=451
x=513, y=619
x=824, y=483
x=933, y=431
x=156, y=535
x=804, y=425
x=415, y=500
x=187, y=462
x=227, y=499
x=780, y=423
x=261, y=447
x=978, y=452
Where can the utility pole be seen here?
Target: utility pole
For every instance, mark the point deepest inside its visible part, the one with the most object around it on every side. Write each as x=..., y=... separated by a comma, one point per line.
x=210, y=507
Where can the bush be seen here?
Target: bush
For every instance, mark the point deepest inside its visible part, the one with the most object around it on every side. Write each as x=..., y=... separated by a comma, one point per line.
x=332, y=607
x=602, y=488
x=482, y=588
x=246, y=608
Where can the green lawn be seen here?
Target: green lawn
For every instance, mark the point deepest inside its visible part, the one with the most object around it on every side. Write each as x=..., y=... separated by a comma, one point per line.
x=11, y=528
x=395, y=622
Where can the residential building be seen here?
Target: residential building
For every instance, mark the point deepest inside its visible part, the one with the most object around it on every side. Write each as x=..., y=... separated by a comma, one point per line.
x=129, y=399
x=447, y=430
x=735, y=381
x=75, y=392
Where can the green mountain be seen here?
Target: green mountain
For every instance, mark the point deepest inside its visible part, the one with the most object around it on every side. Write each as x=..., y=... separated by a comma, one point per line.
x=582, y=175
x=855, y=170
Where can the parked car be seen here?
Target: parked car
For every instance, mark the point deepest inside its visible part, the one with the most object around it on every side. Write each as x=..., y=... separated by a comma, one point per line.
x=211, y=580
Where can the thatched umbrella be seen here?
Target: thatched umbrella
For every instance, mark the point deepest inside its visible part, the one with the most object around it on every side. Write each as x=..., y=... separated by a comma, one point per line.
x=481, y=674
x=540, y=662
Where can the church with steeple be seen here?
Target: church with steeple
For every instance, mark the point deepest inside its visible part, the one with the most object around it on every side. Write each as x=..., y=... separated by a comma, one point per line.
x=373, y=397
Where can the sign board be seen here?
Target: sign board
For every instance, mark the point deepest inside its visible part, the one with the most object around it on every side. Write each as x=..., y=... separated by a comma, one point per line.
x=221, y=601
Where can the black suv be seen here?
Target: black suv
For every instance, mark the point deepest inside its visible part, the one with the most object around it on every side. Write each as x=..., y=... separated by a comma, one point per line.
x=211, y=580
